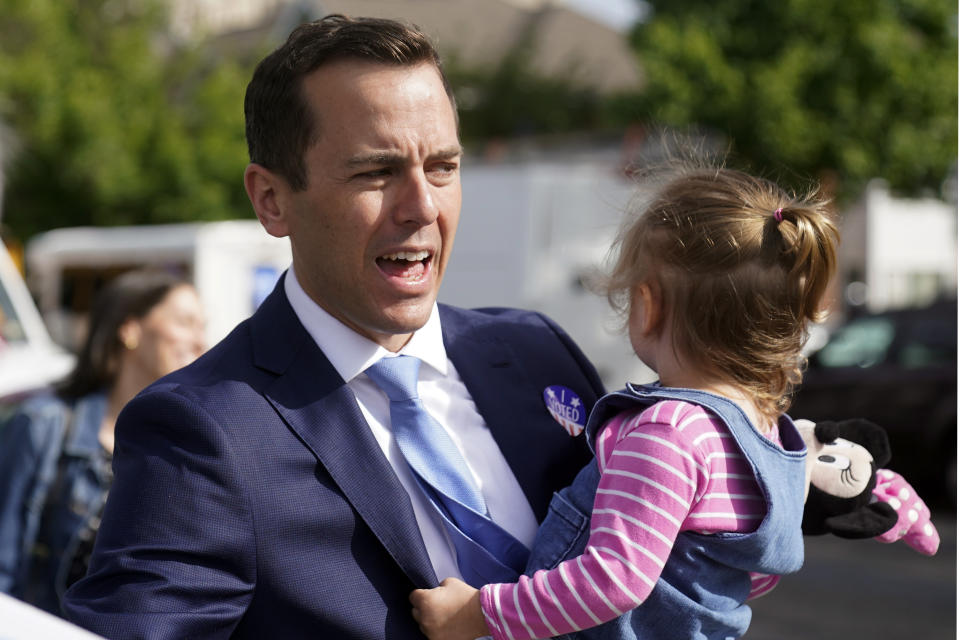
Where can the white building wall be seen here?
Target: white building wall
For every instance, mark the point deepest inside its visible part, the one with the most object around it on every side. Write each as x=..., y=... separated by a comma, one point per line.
x=911, y=249
x=192, y=18
x=530, y=234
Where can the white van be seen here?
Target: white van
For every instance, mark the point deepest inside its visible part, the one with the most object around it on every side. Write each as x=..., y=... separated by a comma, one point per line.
x=29, y=359
x=234, y=264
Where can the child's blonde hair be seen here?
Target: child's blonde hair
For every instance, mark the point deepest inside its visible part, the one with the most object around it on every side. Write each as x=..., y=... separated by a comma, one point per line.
x=741, y=267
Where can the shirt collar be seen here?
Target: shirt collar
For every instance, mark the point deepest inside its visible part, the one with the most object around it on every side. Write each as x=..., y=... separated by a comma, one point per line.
x=348, y=351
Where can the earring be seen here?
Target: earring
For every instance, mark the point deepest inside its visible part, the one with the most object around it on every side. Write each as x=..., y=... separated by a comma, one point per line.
x=131, y=343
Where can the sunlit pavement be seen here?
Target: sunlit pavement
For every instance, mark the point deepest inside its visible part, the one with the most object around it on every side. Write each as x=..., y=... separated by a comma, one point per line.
x=864, y=590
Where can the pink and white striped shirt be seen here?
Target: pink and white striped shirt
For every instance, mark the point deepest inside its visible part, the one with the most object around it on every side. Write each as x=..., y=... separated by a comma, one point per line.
x=669, y=468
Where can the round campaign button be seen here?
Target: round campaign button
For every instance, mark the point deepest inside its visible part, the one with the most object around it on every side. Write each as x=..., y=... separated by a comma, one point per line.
x=566, y=408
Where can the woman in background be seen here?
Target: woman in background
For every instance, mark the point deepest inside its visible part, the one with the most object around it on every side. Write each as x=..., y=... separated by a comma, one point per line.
x=55, y=452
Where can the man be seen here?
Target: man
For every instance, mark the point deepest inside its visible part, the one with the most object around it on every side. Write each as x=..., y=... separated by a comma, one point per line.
x=261, y=491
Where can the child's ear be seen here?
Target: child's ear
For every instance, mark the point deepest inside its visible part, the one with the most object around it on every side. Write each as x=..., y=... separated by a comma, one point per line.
x=652, y=308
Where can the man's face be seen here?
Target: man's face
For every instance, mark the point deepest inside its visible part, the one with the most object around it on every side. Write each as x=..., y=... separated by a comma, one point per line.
x=372, y=232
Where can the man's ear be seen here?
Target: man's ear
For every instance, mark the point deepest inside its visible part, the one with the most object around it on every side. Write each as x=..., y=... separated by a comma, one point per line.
x=265, y=189
x=652, y=308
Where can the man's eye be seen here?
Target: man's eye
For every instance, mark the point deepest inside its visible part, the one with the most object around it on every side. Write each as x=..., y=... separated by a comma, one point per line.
x=444, y=168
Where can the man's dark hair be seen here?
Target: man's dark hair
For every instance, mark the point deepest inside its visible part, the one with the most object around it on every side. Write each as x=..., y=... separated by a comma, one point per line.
x=279, y=124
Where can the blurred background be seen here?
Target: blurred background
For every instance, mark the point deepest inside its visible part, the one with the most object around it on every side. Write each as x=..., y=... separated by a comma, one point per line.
x=122, y=144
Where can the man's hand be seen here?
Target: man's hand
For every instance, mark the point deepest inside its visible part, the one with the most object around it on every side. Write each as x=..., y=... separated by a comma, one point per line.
x=449, y=612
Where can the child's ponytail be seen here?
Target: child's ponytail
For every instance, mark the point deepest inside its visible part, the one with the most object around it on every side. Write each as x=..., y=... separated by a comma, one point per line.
x=809, y=250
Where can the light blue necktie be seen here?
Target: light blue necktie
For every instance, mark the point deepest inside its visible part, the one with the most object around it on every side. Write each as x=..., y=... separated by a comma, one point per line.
x=485, y=552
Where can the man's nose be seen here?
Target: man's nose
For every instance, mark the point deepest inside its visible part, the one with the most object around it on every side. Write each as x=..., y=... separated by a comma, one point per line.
x=415, y=201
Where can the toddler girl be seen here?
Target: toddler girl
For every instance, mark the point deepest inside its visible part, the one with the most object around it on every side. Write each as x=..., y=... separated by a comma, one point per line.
x=694, y=502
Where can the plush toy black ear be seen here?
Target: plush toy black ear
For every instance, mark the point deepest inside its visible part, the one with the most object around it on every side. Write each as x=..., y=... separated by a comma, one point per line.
x=826, y=431
x=866, y=522
x=870, y=436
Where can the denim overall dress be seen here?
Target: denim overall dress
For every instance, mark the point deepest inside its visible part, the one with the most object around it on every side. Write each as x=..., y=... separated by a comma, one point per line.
x=701, y=592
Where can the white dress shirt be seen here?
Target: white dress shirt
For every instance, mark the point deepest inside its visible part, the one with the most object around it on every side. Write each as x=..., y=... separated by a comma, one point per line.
x=445, y=398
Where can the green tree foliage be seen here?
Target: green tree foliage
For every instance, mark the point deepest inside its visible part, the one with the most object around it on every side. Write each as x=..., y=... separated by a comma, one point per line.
x=844, y=89
x=113, y=123
x=510, y=100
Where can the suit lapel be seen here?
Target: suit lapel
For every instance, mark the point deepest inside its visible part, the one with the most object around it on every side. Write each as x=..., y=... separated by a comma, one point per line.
x=314, y=401
x=509, y=402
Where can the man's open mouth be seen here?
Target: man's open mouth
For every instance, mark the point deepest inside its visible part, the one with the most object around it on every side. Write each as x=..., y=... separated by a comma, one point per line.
x=408, y=265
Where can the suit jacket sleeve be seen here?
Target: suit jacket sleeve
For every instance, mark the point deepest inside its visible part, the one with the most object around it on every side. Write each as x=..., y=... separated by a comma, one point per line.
x=178, y=547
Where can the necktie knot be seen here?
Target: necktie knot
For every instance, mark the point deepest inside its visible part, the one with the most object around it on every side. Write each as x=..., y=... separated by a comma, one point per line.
x=397, y=377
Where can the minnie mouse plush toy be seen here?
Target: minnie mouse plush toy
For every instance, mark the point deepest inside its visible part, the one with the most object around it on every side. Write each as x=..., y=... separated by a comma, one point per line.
x=849, y=497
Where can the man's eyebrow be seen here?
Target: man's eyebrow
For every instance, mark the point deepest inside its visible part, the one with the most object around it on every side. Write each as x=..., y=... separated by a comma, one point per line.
x=377, y=157
x=391, y=159
x=448, y=154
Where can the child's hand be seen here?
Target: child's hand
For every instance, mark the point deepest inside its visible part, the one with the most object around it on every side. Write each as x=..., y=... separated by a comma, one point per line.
x=449, y=612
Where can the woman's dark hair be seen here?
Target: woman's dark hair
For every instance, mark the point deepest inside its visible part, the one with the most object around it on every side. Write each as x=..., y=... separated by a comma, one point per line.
x=130, y=295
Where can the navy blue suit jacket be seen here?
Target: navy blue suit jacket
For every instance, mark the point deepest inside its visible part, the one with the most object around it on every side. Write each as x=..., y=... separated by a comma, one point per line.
x=251, y=499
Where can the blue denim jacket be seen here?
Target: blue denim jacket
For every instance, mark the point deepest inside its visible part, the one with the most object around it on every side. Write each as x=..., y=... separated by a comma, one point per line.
x=701, y=593
x=52, y=489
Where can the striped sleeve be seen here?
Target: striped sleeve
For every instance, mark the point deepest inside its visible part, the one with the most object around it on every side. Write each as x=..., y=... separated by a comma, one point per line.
x=651, y=475
x=761, y=584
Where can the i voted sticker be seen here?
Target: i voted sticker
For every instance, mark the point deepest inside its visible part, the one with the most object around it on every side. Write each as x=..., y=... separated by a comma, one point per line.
x=566, y=408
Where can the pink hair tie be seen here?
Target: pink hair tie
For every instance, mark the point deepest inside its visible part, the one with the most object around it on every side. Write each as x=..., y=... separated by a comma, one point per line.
x=778, y=214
